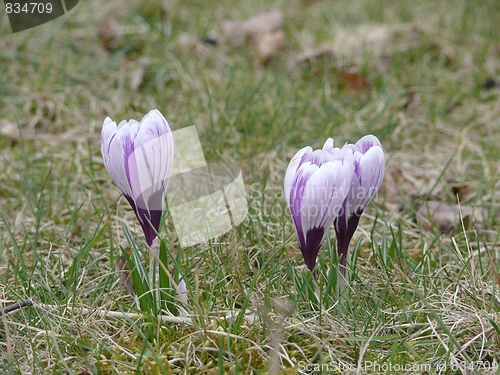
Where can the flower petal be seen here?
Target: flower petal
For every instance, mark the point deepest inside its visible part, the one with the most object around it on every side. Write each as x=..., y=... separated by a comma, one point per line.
x=292, y=170
x=328, y=146
x=113, y=156
x=367, y=178
x=367, y=142
x=371, y=172
x=316, y=198
x=139, y=156
x=296, y=195
x=317, y=157
x=151, y=161
x=324, y=194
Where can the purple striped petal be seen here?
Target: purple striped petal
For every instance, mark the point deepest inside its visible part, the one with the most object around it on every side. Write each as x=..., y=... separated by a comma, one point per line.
x=139, y=156
x=292, y=169
x=367, y=142
x=369, y=168
x=369, y=171
x=114, y=156
x=316, y=185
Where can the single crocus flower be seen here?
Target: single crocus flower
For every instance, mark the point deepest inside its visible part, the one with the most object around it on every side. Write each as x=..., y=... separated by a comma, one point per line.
x=369, y=168
x=316, y=185
x=139, y=156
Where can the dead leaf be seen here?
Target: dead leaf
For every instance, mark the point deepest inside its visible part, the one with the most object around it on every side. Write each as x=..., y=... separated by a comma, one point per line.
x=461, y=191
x=311, y=56
x=114, y=36
x=257, y=65
x=353, y=81
x=404, y=182
x=137, y=76
x=11, y=132
x=123, y=270
x=263, y=31
x=269, y=44
x=109, y=35
x=412, y=101
x=373, y=38
x=354, y=44
x=253, y=29
x=446, y=216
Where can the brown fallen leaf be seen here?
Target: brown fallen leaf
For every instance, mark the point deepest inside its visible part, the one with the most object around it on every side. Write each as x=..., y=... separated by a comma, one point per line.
x=311, y=56
x=253, y=29
x=353, y=81
x=353, y=44
x=109, y=34
x=10, y=131
x=263, y=31
x=137, y=76
x=461, y=191
x=412, y=102
x=114, y=36
x=122, y=268
x=404, y=182
x=269, y=44
x=446, y=216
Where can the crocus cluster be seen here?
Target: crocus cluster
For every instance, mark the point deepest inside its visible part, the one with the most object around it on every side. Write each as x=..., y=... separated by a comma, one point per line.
x=332, y=186
x=139, y=156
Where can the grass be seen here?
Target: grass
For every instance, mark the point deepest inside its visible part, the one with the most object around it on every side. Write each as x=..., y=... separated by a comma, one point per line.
x=416, y=301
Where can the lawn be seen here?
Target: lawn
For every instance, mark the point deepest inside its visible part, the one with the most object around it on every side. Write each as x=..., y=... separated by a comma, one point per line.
x=421, y=294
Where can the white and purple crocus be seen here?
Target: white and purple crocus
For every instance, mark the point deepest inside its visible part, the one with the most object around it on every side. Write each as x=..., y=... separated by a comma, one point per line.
x=369, y=168
x=139, y=156
x=316, y=185
x=332, y=185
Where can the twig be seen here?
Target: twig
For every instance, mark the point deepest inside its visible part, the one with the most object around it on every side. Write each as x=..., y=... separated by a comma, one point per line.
x=16, y=306
x=117, y=314
x=103, y=313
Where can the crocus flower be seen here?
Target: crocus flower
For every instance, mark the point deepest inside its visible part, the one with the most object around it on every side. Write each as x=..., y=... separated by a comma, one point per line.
x=369, y=168
x=316, y=185
x=139, y=156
